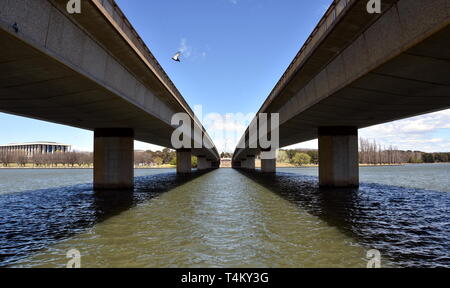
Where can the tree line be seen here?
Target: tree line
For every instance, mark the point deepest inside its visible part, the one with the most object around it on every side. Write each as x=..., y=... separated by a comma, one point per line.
x=68, y=159
x=298, y=157
x=84, y=159
x=226, y=155
x=370, y=153
x=157, y=158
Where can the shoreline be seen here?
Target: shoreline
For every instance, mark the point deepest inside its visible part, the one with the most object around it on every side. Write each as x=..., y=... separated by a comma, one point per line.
x=74, y=168
x=281, y=165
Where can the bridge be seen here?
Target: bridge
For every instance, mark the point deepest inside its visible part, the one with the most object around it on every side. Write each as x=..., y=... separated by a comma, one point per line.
x=92, y=71
x=357, y=70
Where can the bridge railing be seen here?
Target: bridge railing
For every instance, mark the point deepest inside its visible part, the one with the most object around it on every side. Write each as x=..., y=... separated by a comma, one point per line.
x=327, y=21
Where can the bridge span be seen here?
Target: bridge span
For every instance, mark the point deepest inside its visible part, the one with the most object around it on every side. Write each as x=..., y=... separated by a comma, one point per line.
x=357, y=70
x=92, y=71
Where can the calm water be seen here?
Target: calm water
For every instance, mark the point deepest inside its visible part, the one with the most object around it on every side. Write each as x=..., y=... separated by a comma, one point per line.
x=226, y=218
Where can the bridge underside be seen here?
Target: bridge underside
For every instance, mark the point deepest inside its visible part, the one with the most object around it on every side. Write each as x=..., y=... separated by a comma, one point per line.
x=414, y=83
x=85, y=71
x=396, y=66
x=35, y=85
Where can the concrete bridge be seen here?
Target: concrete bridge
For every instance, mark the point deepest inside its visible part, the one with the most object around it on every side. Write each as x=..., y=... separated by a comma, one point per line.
x=92, y=71
x=357, y=70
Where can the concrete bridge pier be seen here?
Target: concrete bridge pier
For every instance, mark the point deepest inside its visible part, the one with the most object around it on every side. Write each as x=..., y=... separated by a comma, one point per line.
x=338, y=157
x=202, y=163
x=184, y=161
x=244, y=164
x=113, y=158
x=268, y=165
x=251, y=162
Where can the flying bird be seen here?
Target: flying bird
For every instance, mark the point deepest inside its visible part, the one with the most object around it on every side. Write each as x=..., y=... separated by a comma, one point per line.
x=177, y=57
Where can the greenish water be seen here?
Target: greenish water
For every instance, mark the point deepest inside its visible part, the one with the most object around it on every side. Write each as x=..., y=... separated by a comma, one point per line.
x=424, y=176
x=226, y=218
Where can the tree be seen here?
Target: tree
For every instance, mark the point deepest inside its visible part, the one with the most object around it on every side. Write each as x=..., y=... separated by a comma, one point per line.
x=6, y=158
x=21, y=159
x=301, y=159
x=38, y=159
x=282, y=157
x=158, y=161
x=314, y=154
x=70, y=158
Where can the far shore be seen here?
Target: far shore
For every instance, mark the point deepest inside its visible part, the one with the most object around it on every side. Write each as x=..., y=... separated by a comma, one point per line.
x=258, y=165
x=80, y=168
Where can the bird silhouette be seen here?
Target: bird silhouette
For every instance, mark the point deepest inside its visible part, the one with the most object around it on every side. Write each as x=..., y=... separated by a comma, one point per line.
x=177, y=57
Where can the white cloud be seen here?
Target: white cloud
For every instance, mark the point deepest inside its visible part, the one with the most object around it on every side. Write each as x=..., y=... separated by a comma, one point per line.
x=416, y=133
x=145, y=146
x=226, y=129
x=189, y=52
x=184, y=48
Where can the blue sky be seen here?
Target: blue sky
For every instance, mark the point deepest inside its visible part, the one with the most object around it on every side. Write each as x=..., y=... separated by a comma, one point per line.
x=234, y=52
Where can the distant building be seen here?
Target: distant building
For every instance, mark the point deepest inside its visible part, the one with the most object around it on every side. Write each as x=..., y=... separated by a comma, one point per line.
x=36, y=148
x=225, y=163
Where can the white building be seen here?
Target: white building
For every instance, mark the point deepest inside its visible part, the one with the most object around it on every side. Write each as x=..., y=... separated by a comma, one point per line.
x=36, y=148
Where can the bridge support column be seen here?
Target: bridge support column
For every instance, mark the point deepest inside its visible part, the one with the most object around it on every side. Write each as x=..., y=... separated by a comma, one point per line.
x=113, y=158
x=202, y=163
x=251, y=162
x=184, y=161
x=244, y=164
x=338, y=157
x=268, y=165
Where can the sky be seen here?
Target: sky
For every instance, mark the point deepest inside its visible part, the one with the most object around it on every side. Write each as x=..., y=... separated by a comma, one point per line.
x=233, y=54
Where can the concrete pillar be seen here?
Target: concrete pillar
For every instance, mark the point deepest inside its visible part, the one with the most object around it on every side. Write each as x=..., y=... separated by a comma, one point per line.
x=338, y=157
x=251, y=162
x=114, y=158
x=244, y=163
x=202, y=163
x=268, y=165
x=184, y=161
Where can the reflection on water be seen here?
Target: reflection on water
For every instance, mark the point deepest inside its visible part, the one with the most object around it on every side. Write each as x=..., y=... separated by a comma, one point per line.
x=32, y=220
x=422, y=176
x=411, y=226
x=225, y=218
